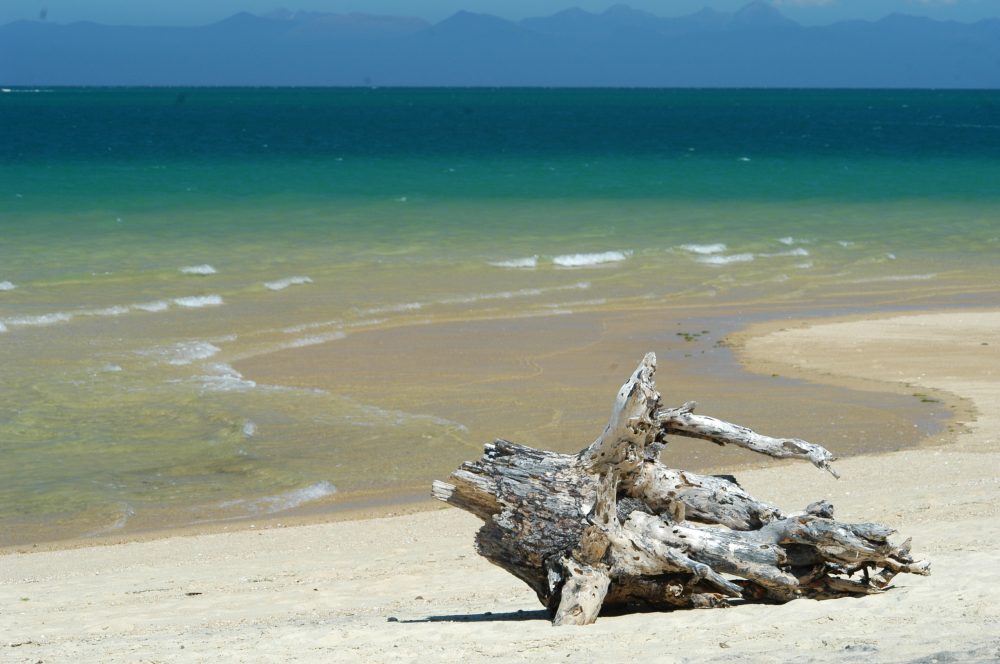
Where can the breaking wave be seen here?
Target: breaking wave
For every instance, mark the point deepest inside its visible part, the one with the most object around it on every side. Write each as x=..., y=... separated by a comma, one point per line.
x=282, y=284
x=199, y=270
x=38, y=321
x=198, y=301
x=529, y=262
x=798, y=251
x=725, y=260
x=224, y=378
x=182, y=353
x=704, y=249
x=284, y=501
x=152, y=307
x=587, y=260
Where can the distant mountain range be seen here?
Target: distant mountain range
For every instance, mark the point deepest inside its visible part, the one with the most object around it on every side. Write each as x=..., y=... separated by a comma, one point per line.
x=754, y=47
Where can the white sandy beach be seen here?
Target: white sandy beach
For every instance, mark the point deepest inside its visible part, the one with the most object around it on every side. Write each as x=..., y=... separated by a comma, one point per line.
x=411, y=588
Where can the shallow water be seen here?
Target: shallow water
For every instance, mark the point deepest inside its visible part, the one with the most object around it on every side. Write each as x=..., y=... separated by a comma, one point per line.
x=209, y=298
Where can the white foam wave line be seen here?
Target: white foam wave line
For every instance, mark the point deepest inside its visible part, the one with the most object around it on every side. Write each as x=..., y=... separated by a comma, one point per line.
x=116, y=310
x=295, y=329
x=282, y=284
x=188, y=352
x=367, y=322
x=249, y=428
x=502, y=295
x=198, y=270
x=3, y=328
x=152, y=307
x=6, y=286
x=845, y=243
x=198, y=301
x=470, y=299
x=507, y=295
x=395, y=308
x=578, y=303
x=588, y=260
x=224, y=378
x=314, y=340
x=40, y=320
x=181, y=353
x=895, y=277
x=519, y=263
x=284, y=501
x=725, y=260
x=704, y=249
x=798, y=251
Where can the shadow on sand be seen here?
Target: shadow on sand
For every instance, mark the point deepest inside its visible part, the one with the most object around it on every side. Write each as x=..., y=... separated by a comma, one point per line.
x=488, y=616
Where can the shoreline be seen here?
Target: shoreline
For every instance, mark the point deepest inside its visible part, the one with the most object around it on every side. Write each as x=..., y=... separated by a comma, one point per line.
x=411, y=587
x=589, y=370
x=726, y=372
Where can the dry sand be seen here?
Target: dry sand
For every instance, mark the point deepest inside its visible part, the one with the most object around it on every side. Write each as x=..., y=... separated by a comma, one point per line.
x=412, y=589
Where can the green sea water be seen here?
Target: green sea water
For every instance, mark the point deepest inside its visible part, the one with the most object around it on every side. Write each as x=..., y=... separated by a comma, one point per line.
x=152, y=239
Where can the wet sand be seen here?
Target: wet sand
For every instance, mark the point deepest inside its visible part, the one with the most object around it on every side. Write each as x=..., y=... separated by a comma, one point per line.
x=550, y=381
x=411, y=588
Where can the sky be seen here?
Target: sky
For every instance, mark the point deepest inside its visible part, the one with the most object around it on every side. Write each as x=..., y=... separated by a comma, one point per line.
x=199, y=12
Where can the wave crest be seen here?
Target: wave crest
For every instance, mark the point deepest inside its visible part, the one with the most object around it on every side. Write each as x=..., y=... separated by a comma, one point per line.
x=282, y=284
x=198, y=301
x=587, y=260
x=199, y=270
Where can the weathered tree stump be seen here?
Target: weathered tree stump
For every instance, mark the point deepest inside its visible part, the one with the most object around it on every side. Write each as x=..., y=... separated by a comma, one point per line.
x=612, y=526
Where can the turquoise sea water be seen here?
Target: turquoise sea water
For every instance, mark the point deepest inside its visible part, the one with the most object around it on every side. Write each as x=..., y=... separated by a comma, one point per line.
x=150, y=239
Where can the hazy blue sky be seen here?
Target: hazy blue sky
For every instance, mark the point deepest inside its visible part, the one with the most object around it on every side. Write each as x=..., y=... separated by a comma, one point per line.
x=186, y=12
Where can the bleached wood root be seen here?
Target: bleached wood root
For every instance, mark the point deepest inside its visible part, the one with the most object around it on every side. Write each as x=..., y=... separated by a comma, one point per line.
x=683, y=422
x=613, y=526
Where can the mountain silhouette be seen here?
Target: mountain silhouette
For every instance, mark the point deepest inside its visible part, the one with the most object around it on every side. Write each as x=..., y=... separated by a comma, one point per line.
x=756, y=46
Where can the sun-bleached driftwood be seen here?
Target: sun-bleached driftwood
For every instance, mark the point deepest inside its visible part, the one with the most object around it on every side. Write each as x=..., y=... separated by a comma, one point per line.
x=613, y=526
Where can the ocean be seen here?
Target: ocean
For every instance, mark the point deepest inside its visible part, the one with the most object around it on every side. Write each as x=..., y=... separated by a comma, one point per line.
x=223, y=304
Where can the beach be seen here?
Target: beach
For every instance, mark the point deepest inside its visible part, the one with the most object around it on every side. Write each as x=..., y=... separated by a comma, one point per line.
x=411, y=587
x=225, y=305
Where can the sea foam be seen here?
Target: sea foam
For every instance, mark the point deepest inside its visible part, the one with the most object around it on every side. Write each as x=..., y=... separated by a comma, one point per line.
x=224, y=378
x=190, y=351
x=152, y=307
x=40, y=320
x=182, y=353
x=314, y=340
x=529, y=262
x=198, y=301
x=116, y=310
x=284, y=501
x=282, y=284
x=199, y=270
x=395, y=308
x=798, y=251
x=896, y=277
x=704, y=249
x=587, y=260
x=6, y=286
x=725, y=260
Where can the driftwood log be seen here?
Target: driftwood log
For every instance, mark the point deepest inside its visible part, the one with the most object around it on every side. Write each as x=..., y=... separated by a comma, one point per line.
x=613, y=526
